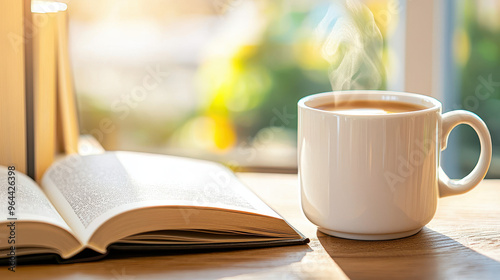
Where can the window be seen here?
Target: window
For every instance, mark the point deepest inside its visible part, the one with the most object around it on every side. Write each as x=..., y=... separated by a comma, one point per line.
x=220, y=79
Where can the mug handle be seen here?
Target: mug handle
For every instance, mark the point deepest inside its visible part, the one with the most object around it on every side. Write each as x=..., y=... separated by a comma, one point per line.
x=450, y=120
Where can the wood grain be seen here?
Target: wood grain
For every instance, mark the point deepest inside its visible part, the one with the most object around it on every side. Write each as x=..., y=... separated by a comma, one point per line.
x=462, y=241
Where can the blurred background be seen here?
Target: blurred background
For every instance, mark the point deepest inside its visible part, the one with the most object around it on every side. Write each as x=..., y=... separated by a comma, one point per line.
x=220, y=79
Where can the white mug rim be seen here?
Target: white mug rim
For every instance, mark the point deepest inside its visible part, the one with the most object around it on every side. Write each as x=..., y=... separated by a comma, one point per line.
x=436, y=105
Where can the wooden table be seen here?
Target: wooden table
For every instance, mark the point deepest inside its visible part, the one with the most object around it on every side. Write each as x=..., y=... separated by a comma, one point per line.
x=463, y=241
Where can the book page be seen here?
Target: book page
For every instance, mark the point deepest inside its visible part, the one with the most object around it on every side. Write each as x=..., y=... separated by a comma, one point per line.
x=30, y=204
x=91, y=189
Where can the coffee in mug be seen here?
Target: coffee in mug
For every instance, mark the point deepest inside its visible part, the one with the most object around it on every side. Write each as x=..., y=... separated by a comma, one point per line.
x=369, y=107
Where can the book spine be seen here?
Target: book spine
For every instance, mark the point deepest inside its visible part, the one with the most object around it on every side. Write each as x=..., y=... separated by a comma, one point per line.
x=12, y=85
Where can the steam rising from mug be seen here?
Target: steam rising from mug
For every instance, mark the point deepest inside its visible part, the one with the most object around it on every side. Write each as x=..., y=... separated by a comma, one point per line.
x=352, y=43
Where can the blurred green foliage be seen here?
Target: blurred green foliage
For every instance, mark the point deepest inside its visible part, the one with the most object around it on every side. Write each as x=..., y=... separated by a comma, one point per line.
x=479, y=84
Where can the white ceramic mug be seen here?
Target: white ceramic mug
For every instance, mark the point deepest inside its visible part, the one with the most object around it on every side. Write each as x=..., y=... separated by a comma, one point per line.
x=376, y=177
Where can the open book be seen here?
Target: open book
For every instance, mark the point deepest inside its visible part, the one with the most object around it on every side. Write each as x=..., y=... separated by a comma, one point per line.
x=137, y=201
